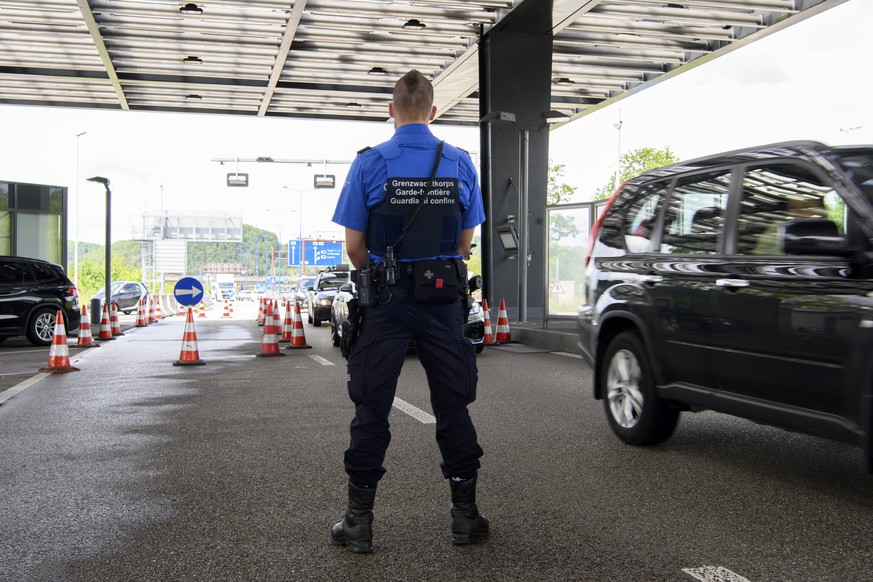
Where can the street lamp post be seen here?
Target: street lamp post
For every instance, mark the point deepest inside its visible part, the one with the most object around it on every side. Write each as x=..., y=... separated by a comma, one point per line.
x=76, y=240
x=108, y=272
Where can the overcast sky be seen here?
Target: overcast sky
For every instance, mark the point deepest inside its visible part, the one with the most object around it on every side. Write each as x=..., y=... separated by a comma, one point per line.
x=810, y=81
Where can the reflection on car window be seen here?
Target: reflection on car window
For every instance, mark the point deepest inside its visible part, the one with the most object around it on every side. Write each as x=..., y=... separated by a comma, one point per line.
x=694, y=217
x=776, y=194
x=15, y=274
x=640, y=219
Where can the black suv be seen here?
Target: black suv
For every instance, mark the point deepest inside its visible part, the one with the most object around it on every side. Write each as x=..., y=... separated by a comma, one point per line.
x=741, y=283
x=31, y=292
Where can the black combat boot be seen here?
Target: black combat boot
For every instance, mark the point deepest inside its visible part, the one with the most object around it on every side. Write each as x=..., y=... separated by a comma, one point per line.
x=467, y=522
x=356, y=529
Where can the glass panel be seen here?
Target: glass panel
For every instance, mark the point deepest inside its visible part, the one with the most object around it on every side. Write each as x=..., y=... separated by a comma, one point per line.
x=569, y=229
x=29, y=197
x=39, y=236
x=776, y=194
x=694, y=218
x=56, y=199
x=5, y=195
x=5, y=232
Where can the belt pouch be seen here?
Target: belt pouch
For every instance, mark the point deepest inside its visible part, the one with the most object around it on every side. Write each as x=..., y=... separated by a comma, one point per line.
x=435, y=281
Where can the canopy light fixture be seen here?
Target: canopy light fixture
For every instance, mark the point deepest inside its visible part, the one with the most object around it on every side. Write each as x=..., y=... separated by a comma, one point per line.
x=324, y=181
x=193, y=97
x=498, y=116
x=190, y=8
x=565, y=82
x=554, y=116
x=414, y=24
x=192, y=60
x=353, y=105
x=377, y=71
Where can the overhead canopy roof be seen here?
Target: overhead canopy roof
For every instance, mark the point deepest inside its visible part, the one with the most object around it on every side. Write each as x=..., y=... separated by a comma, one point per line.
x=338, y=59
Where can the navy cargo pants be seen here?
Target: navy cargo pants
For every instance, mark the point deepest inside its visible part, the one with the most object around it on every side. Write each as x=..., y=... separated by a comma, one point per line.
x=374, y=365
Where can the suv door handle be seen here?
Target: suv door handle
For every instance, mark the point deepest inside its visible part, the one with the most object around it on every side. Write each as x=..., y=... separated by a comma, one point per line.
x=651, y=279
x=732, y=283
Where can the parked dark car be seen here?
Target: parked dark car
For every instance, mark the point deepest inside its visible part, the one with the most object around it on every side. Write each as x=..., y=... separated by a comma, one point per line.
x=31, y=292
x=474, y=328
x=324, y=289
x=125, y=294
x=741, y=283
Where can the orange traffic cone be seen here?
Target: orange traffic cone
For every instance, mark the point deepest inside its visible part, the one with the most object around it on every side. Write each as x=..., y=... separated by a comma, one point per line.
x=140, y=314
x=503, y=333
x=488, y=340
x=150, y=316
x=270, y=341
x=159, y=313
x=298, y=338
x=226, y=313
x=190, y=355
x=231, y=307
x=261, y=311
x=182, y=310
x=105, y=329
x=202, y=310
x=59, y=353
x=288, y=324
x=114, y=324
x=86, y=340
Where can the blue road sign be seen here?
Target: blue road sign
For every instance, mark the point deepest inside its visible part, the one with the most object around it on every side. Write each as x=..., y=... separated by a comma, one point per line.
x=321, y=253
x=188, y=291
x=294, y=248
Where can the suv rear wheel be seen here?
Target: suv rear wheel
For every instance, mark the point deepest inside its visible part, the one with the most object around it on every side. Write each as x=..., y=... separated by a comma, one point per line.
x=635, y=412
x=41, y=328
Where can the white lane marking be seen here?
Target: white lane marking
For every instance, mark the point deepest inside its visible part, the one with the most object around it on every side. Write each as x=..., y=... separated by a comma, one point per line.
x=714, y=574
x=568, y=355
x=322, y=361
x=416, y=413
x=22, y=386
x=15, y=373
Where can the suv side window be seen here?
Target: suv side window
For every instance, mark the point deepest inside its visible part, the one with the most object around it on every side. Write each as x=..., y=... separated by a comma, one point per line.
x=694, y=217
x=775, y=194
x=639, y=222
x=44, y=273
x=14, y=274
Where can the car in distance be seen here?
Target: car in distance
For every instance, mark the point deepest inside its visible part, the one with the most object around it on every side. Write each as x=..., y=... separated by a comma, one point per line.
x=324, y=289
x=302, y=289
x=125, y=294
x=474, y=328
x=31, y=293
x=741, y=283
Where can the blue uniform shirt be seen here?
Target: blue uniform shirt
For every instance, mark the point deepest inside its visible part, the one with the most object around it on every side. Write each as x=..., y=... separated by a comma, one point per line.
x=365, y=183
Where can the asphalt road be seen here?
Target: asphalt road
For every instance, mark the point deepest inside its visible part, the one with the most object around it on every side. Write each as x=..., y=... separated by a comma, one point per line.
x=133, y=469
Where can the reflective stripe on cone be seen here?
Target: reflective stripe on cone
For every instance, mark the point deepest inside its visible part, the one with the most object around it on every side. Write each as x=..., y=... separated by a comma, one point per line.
x=503, y=333
x=270, y=339
x=298, y=338
x=85, y=340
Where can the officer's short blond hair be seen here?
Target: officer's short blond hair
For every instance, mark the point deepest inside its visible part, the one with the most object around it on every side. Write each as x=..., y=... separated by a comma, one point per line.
x=413, y=95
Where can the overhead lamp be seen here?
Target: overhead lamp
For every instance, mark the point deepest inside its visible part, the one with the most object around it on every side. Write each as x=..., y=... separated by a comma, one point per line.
x=324, y=181
x=353, y=105
x=192, y=61
x=414, y=24
x=377, y=71
x=190, y=8
x=565, y=82
x=238, y=180
x=266, y=159
x=193, y=97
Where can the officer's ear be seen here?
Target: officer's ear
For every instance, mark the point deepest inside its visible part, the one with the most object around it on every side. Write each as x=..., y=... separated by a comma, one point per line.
x=391, y=109
x=433, y=111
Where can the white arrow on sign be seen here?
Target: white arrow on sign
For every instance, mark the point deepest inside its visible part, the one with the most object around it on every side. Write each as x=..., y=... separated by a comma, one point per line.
x=193, y=292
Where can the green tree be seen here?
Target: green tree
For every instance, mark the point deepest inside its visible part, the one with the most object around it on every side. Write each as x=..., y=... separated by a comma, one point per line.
x=634, y=163
x=558, y=191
